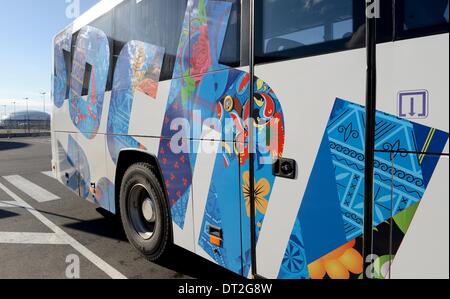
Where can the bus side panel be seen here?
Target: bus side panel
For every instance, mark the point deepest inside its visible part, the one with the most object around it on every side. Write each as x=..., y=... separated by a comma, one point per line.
x=204, y=170
x=66, y=155
x=95, y=186
x=410, y=86
x=330, y=201
x=219, y=168
x=148, y=129
x=61, y=119
x=307, y=99
x=407, y=69
x=424, y=250
x=81, y=163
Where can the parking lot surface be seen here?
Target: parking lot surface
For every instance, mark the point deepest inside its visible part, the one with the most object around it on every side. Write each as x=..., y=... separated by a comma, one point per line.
x=46, y=231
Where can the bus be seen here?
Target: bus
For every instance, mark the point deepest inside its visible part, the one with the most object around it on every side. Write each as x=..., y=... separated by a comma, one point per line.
x=236, y=130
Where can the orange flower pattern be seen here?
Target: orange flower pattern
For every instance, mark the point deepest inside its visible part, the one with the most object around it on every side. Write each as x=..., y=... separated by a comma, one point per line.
x=338, y=264
x=262, y=190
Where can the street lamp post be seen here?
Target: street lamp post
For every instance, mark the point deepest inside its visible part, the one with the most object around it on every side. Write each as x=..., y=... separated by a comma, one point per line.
x=14, y=114
x=2, y=118
x=43, y=98
x=4, y=108
x=28, y=116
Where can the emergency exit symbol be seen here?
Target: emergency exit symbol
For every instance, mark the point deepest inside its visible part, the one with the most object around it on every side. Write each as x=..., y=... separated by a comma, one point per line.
x=413, y=104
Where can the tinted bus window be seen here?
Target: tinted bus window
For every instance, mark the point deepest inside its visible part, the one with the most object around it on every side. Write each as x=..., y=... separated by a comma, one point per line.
x=289, y=29
x=295, y=28
x=231, y=54
x=417, y=18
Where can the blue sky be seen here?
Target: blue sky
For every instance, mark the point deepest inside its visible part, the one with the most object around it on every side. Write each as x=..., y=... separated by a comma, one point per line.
x=26, y=31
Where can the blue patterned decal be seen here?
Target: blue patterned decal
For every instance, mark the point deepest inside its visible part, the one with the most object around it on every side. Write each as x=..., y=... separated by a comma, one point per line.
x=294, y=265
x=270, y=140
x=77, y=154
x=92, y=51
x=63, y=42
x=392, y=134
x=204, y=23
x=104, y=194
x=67, y=166
x=320, y=212
x=176, y=168
x=226, y=203
x=74, y=163
x=138, y=68
x=224, y=197
x=343, y=145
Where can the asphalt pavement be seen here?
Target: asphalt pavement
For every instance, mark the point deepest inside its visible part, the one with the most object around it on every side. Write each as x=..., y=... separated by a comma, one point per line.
x=48, y=232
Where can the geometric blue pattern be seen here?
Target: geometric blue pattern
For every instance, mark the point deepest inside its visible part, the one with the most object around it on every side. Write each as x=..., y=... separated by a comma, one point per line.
x=346, y=137
x=295, y=265
x=320, y=212
x=402, y=172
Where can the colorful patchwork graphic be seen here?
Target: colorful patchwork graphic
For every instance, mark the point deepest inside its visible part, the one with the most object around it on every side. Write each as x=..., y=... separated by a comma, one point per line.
x=346, y=262
x=62, y=49
x=91, y=58
x=294, y=264
x=74, y=163
x=204, y=23
x=334, y=200
x=104, y=194
x=138, y=68
x=67, y=167
x=226, y=203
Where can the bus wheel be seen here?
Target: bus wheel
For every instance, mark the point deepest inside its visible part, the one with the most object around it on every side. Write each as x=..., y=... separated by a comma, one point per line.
x=144, y=211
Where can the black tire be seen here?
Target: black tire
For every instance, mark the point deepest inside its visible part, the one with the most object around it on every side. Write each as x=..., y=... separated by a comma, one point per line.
x=141, y=177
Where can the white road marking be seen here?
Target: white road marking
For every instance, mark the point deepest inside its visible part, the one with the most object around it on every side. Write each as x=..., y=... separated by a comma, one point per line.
x=67, y=239
x=36, y=140
x=11, y=204
x=49, y=174
x=36, y=192
x=31, y=238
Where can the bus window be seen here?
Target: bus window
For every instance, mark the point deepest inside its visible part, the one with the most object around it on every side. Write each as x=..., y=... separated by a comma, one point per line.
x=287, y=29
x=230, y=54
x=416, y=18
x=291, y=29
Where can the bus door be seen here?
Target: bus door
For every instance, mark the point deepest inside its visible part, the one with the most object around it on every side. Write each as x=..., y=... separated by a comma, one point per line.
x=310, y=78
x=219, y=97
x=411, y=138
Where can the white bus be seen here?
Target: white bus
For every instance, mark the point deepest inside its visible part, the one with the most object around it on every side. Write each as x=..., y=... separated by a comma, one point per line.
x=238, y=132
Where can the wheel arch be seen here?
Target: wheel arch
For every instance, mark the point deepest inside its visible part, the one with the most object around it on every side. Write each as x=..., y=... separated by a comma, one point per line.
x=128, y=157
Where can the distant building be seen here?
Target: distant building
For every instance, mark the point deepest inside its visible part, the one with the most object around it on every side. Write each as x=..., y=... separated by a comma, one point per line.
x=22, y=118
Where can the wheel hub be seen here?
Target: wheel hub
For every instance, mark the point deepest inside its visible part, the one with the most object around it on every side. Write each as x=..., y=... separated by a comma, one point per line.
x=148, y=210
x=142, y=211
